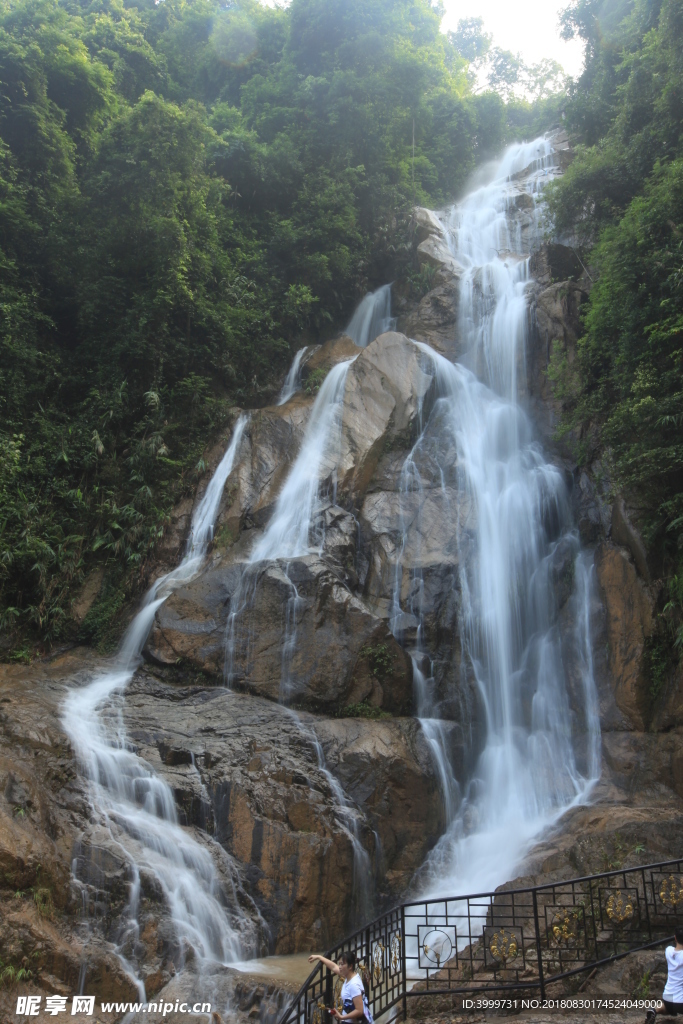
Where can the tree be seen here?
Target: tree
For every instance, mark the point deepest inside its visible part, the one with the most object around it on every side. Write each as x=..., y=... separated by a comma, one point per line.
x=470, y=40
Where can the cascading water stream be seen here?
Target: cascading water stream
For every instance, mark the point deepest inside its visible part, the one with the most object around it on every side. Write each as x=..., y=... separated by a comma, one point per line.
x=372, y=317
x=293, y=379
x=536, y=748
x=537, y=751
x=288, y=536
x=288, y=532
x=134, y=804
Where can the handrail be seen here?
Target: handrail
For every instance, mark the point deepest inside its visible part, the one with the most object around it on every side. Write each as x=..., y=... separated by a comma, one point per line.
x=503, y=941
x=500, y=891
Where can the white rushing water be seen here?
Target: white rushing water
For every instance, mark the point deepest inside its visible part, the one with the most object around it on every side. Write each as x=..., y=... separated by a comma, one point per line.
x=288, y=536
x=536, y=751
x=293, y=379
x=134, y=804
x=288, y=532
x=372, y=317
x=534, y=740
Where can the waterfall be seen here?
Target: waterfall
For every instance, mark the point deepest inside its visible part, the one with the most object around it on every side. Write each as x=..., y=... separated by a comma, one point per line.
x=287, y=537
x=293, y=379
x=288, y=532
x=538, y=751
x=137, y=806
x=372, y=317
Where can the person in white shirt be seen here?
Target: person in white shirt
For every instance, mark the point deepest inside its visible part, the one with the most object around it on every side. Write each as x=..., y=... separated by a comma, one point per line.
x=672, y=996
x=353, y=995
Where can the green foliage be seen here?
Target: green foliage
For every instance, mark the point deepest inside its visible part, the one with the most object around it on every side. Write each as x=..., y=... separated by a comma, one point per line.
x=363, y=710
x=631, y=356
x=314, y=380
x=186, y=189
x=421, y=280
x=11, y=975
x=642, y=990
x=43, y=901
x=659, y=663
x=623, y=196
x=625, y=193
x=626, y=108
x=378, y=658
x=102, y=627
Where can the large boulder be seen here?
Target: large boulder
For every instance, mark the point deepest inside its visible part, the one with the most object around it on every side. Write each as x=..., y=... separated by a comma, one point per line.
x=328, y=355
x=384, y=401
x=189, y=628
x=432, y=244
x=270, y=443
x=385, y=767
x=304, y=638
x=435, y=319
x=298, y=635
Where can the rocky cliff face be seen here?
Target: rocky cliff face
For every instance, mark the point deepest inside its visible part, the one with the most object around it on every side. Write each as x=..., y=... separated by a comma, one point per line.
x=313, y=753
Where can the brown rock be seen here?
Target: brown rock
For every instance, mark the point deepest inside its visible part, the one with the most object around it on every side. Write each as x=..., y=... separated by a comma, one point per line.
x=328, y=355
x=435, y=319
x=432, y=248
x=270, y=443
x=625, y=533
x=557, y=315
x=272, y=806
x=385, y=392
x=629, y=622
x=385, y=767
x=334, y=661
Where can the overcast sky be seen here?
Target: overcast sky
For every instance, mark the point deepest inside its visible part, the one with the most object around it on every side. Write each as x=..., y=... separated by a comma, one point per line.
x=530, y=28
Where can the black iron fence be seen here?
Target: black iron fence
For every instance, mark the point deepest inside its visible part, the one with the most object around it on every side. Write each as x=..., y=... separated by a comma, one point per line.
x=501, y=942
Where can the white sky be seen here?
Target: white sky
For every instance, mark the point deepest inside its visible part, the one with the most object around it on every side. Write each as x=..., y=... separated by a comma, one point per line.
x=530, y=28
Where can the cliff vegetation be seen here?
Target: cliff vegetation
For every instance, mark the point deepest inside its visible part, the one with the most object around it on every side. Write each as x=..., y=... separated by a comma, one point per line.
x=622, y=200
x=188, y=189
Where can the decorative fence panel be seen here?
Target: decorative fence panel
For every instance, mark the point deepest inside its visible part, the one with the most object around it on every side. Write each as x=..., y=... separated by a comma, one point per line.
x=501, y=942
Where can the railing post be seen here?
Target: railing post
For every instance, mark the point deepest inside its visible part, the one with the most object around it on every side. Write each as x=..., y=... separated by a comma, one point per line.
x=329, y=996
x=404, y=985
x=538, y=945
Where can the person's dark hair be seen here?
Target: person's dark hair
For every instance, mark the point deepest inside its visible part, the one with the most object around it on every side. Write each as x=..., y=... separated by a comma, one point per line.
x=348, y=958
x=679, y=934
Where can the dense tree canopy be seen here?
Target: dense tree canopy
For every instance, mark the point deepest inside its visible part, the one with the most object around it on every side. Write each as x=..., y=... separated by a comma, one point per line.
x=188, y=188
x=623, y=198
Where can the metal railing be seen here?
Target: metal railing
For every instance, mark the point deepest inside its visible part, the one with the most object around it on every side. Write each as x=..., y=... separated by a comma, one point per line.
x=505, y=941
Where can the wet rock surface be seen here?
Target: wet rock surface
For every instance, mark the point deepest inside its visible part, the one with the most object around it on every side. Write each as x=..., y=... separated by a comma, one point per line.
x=284, y=798
x=249, y=783
x=43, y=813
x=314, y=631
x=385, y=767
x=384, y=402
x=332, y=652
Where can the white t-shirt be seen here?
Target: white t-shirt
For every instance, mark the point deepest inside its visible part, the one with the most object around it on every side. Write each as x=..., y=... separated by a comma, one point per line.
x=673, y=990
x=351, y=988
